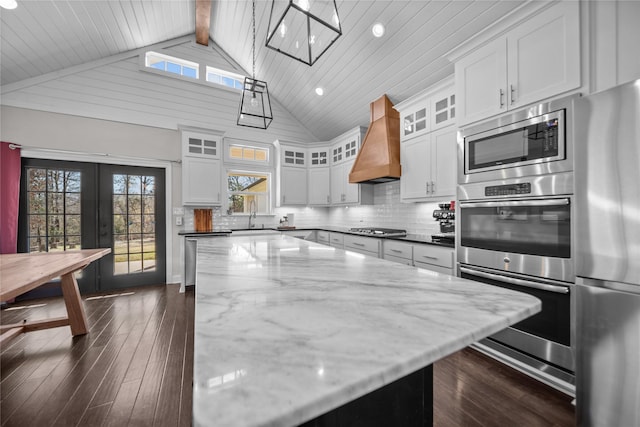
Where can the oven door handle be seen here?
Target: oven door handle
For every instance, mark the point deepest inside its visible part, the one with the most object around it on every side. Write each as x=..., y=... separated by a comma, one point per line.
x=497, y=204
x=516, y=281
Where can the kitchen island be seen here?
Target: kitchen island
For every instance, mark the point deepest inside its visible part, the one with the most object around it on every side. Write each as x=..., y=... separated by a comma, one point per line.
x=288, y=330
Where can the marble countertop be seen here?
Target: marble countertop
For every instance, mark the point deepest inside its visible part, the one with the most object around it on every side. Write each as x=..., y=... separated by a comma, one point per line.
x=287, y=329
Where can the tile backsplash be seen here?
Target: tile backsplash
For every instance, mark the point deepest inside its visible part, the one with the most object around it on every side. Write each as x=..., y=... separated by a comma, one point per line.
x=387, y=211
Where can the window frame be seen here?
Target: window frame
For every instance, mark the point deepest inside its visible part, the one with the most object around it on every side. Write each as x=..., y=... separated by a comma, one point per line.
x=229, y=193
x=168, y=58
x=238, y=78
x=233, y=165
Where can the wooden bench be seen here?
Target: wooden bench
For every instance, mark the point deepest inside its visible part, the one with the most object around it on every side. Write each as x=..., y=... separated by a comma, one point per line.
x=20, y=273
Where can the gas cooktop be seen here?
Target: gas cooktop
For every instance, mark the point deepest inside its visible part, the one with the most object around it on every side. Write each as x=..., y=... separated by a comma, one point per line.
x=379, y=232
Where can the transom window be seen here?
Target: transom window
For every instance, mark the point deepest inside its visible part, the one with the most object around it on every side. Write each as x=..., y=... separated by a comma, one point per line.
x=172, y=65
x=248, y=192
x=248, y=153
x=225, y=78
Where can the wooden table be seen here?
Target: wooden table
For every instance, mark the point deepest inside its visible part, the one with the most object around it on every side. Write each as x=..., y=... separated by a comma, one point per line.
x=20, y=273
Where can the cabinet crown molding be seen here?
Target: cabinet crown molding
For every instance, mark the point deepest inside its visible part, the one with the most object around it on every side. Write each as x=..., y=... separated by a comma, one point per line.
x=498, y=28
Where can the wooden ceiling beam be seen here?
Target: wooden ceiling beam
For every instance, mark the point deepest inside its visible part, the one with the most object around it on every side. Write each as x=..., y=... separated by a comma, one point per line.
x=203, y=18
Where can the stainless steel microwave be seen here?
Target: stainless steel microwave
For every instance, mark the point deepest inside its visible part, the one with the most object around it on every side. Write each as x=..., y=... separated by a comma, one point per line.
x=529, y=142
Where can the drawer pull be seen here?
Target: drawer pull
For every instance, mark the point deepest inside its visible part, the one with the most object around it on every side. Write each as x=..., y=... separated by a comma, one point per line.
x=396, y=251
x=429, y=257
x=358, y=244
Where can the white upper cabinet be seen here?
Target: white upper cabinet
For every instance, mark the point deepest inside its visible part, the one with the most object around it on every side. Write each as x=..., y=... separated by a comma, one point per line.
x=319, y=186
x=429, y=165
x=538, y=59
x=293, y=186
x=344, y=151
x=481, y=82
x=293, y=157
x=443, y=108
x=201, y=168
x=415, y=119
x=416, y=177
x=292, y=175
x=319, y=157
x=196, y=144
x=428, y=158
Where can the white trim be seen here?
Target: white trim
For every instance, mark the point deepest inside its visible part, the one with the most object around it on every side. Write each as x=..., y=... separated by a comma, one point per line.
x=40, y=153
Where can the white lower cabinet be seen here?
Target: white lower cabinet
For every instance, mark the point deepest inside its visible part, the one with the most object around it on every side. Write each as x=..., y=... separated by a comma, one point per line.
x=322, y=237
x=431, y=257
x=396, y=251
x=336, y=240
x=362, y=245
x=301, y=234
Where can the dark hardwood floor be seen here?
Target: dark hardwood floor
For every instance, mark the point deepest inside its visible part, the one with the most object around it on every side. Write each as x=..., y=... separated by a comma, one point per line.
x=136, y=364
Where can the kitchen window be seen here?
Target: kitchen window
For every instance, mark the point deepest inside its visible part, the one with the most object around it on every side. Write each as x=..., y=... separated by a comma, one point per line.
x=248, y=192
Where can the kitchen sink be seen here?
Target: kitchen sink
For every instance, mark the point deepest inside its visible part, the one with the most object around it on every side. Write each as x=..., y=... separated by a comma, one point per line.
x=253, y=232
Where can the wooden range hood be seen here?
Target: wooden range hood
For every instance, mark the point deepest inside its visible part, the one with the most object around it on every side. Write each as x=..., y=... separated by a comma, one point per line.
x=379, y=156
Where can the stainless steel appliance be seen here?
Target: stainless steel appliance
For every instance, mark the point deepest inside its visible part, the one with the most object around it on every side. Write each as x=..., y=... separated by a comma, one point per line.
x=517, y=234
x=529, y=142
x=608, y=257
x=378, y=232
x=515, y=229
x=518, y=226
x=445, y=216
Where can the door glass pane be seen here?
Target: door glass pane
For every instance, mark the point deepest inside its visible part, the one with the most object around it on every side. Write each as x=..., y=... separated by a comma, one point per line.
x=53, y=209
x=134, y=203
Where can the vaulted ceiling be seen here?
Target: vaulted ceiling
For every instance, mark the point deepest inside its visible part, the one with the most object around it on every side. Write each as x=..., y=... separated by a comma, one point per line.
x=45, y=36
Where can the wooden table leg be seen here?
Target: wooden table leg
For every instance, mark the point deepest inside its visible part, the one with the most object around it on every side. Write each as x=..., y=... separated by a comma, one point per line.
x=75, y=309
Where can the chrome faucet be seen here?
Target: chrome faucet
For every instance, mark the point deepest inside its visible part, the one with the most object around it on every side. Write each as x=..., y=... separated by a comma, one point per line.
x=252, y=212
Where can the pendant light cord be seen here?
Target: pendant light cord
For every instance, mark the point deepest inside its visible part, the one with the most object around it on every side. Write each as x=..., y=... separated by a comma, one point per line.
x=254, y=39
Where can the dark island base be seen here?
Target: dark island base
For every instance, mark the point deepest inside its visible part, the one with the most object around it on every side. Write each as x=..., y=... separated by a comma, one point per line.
x=406, y=402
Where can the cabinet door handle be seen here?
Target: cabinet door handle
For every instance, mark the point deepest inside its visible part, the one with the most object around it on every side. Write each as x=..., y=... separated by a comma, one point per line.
x=513, y=96
x=328, y=199
x=358, y=244
x=501, y=98
x=433, y=187
x=283, y=198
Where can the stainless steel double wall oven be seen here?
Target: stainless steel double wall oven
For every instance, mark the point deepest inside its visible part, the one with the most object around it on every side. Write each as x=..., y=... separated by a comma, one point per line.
x=514, y=229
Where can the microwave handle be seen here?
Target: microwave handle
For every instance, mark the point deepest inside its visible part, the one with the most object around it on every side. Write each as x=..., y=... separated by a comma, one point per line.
x=516, y=281
x=497, y=204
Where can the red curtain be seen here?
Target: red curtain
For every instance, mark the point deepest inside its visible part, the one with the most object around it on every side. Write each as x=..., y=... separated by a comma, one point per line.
x=9, y=197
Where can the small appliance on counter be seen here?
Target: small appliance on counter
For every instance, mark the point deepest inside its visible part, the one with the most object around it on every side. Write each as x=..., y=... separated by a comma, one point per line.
x=446, y=216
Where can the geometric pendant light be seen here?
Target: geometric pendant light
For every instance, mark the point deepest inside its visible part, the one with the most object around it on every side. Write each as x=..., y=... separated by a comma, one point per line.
x=255, y=105
x=303, y=29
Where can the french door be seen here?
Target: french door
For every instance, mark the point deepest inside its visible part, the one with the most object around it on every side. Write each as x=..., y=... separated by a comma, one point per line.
x=77, y=205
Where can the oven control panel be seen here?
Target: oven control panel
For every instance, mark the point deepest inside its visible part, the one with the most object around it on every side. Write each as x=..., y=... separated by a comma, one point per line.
x=508, y=190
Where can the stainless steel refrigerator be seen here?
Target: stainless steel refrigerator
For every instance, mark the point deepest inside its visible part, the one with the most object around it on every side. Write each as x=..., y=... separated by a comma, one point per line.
x=607, y=194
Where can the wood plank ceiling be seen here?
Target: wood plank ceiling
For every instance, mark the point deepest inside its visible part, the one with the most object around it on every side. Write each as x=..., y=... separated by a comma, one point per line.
x=43, y=36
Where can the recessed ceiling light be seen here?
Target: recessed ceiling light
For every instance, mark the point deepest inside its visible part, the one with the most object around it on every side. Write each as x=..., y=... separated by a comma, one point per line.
x=319, y=91
x=377, y=29
x=8, y=4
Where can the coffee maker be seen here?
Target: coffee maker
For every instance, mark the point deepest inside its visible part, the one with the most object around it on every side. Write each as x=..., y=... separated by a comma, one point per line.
x=446, y=216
